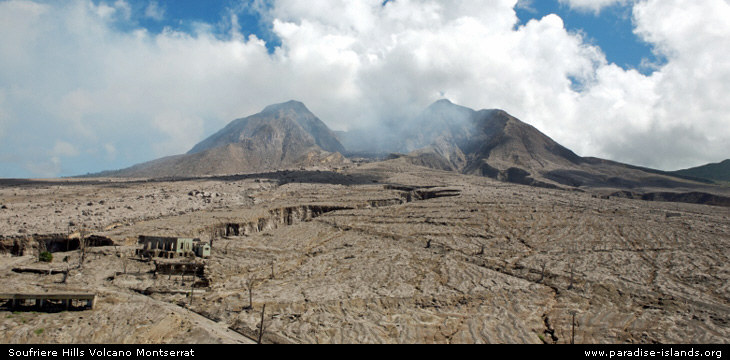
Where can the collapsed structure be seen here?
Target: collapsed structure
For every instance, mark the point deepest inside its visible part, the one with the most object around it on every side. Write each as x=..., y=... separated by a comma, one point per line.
x=49, y=301
x=172, y=247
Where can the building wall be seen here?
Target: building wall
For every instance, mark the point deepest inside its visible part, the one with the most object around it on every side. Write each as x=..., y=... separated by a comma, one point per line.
x=168, y=245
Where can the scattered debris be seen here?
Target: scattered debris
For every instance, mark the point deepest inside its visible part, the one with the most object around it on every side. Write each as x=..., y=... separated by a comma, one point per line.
x=203, y=194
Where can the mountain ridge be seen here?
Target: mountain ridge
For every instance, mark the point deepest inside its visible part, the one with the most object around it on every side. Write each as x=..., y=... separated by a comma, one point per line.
x=444, y=136
x=493, y=143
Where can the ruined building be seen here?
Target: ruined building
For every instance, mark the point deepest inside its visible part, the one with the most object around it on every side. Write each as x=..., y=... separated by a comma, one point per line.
x=172, y=247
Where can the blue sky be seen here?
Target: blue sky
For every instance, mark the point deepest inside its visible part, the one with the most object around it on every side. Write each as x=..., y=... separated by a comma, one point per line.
x=611, y=30
x=183, y=15
x=91, y=85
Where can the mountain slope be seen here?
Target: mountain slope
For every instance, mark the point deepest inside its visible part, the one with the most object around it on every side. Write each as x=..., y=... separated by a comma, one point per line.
x=717, y=172
x=503, y=142
x=285, y=135
x=489, y=143
x=494, y=144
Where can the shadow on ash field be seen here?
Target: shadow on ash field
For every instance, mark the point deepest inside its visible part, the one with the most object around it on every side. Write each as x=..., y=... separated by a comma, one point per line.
x=282, y=177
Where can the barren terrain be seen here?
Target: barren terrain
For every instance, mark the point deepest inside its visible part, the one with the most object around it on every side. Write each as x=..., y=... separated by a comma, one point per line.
x=380, y=253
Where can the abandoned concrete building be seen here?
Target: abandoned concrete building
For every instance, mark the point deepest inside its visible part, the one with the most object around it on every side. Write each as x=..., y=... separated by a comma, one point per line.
x=172, y=247
x=49, y=301
x=168, y=268
x=202, y=250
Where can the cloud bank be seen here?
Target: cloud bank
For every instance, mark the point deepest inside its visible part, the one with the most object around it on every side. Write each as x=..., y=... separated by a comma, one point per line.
x=82, y=89
x=594, y=6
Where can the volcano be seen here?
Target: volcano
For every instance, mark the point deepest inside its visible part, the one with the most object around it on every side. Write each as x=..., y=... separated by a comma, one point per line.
x=495, y=144
x=285, y=135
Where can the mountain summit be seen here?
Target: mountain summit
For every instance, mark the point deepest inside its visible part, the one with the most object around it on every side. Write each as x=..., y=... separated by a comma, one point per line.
x=285, y=135
x=289, y=126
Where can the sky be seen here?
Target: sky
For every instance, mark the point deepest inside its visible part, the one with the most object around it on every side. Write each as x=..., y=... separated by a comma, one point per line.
x=92, y=85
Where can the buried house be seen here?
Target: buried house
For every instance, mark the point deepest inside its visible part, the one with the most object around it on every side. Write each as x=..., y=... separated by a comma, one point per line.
x=172, y=247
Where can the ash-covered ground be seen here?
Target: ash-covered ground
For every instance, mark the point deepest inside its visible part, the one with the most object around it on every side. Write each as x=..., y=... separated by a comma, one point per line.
x=380, y=253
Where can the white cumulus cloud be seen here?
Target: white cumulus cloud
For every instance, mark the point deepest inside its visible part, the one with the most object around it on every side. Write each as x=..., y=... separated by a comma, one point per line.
x=69, y=73
x=154, y=11
x=594, y=6
x=678, y=116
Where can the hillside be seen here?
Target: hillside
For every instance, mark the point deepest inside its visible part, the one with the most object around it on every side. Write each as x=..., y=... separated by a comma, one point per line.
x=495, y=144
x=717, y=172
